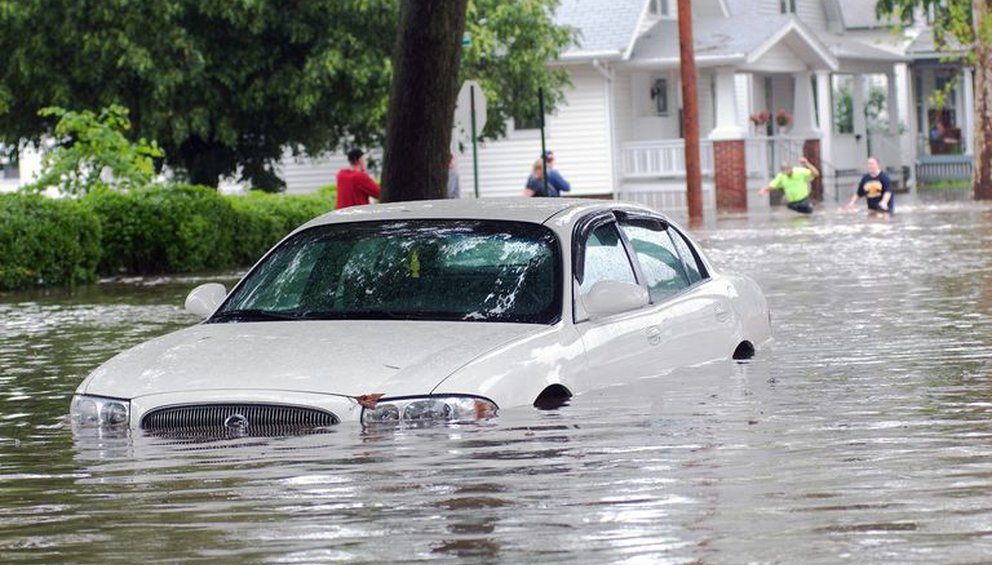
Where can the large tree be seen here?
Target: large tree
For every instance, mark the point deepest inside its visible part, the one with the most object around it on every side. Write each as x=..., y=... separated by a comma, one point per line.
x=422, y=100
x=232, y=84
x=963, y=28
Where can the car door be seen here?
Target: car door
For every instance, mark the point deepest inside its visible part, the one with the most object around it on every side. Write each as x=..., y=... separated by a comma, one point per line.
x=615, y=344
x=691, y=317
x=715, y=323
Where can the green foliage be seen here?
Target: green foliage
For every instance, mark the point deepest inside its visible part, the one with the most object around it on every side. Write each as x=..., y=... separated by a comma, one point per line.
x=223, y=85
x=164, y=229
x=153, y=230
x=44, y=242
x=844, y=109
x=91, y=145
x=511, y=44
x=264, y=219
x=953, y=28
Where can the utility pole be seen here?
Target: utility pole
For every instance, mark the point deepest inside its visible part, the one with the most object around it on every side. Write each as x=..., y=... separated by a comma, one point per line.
x=690, y=114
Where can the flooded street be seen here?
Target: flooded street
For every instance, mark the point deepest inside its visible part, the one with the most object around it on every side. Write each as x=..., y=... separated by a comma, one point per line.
x=865, y=436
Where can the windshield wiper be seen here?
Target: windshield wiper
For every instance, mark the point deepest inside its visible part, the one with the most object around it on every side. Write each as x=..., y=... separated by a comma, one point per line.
x=251, y=315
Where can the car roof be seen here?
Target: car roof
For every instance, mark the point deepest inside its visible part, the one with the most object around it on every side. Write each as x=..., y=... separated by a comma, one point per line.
x=535, y=210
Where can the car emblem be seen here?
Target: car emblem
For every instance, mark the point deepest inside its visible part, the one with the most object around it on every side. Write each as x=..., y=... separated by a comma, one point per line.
x=237, y=422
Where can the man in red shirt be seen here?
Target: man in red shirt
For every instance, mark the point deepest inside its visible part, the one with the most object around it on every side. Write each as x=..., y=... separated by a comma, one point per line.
x=355, y=186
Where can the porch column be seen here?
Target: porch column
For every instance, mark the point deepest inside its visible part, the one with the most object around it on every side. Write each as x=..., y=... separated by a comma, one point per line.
x=892, y=101
x=825, y=121
x=906, y=115
x=802, y=105
x=803, y=126
x=729, y=163
x=728, y=123
x=968, y=109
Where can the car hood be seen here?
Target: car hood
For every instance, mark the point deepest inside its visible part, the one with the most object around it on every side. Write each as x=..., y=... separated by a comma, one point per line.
x=326, y=357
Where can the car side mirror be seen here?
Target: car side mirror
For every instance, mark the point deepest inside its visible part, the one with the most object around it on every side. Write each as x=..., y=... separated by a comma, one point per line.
x=205, y=299
x=613, y=297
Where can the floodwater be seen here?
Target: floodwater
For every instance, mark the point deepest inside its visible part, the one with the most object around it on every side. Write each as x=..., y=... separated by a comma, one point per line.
x=864, y=436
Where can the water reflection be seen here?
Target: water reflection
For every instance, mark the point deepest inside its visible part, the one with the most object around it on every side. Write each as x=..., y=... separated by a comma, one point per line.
x=863, y=437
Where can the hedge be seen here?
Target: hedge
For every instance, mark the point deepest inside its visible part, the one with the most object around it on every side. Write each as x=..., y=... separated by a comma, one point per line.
x=47, y=242
x=154, y=230
x=264, y=219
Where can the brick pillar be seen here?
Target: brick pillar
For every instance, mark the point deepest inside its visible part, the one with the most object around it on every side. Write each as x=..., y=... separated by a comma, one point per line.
x=730, y=175
x=811, y=150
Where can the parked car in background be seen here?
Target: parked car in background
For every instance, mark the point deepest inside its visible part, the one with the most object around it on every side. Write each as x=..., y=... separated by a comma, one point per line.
x=434, y=311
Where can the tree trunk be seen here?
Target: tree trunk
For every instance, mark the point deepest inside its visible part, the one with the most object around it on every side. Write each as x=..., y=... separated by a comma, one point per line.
x=204, y=162
x=981, y=178
x=422, y=99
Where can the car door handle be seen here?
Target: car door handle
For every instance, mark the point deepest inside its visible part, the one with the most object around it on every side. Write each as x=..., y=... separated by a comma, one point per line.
x=654, y=335
x=721, y=312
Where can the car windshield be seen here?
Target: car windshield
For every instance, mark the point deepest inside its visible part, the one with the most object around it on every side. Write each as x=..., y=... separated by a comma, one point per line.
x=422, y=270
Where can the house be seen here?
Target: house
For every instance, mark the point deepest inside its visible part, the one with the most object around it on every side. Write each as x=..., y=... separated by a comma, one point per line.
x=842, y=84
x=619, y=132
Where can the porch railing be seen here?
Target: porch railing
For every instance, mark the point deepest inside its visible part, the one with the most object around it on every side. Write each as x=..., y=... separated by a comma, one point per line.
x=662, y=158
x=666, y=157
x=930, y=168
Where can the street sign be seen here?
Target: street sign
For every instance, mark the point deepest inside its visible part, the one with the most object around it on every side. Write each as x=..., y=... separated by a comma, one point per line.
x=470, y=118
x=463, y=109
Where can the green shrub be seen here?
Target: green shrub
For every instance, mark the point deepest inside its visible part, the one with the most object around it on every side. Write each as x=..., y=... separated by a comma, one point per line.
x=159, y=229
x=164, y=229
x=265, y=218
x=46, y=242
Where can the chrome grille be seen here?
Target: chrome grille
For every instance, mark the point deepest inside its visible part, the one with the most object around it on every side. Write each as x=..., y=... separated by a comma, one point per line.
x=241, y=419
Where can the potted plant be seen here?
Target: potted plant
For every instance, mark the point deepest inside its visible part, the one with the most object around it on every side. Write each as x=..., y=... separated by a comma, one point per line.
x=783, y=119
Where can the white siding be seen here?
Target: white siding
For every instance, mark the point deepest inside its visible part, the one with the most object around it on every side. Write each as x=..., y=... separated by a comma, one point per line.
x=623, y=105
x=779, y=59
x=578, y=133
x=304, y=175
x=811, y=12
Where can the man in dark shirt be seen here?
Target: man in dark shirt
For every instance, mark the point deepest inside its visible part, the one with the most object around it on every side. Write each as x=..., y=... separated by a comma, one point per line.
x=876, y=188
x=355, y=186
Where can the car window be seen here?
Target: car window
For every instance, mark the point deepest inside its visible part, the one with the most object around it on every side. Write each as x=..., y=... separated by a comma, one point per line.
x=664, y=271
x=694, y=267
x=605, y=258
x=433, y=270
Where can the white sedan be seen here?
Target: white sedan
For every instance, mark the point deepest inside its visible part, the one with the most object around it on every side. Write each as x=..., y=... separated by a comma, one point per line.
x=433, y=311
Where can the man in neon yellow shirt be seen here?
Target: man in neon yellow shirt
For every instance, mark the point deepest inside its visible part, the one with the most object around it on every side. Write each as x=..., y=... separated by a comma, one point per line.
x=795, y=182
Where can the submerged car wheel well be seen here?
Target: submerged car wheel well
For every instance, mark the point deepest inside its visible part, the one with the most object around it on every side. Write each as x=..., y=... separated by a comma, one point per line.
x=554, y=396
x=744, y=351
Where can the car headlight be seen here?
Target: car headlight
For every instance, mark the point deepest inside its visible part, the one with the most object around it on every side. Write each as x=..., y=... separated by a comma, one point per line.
x=99, y=411
x=425, y=409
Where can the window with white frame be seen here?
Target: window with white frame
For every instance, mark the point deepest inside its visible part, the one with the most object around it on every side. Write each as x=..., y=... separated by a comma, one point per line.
x=787, y=6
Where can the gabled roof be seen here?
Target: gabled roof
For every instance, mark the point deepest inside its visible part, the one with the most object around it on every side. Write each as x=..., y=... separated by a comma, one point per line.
x=607, y=28
x=740, y=40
